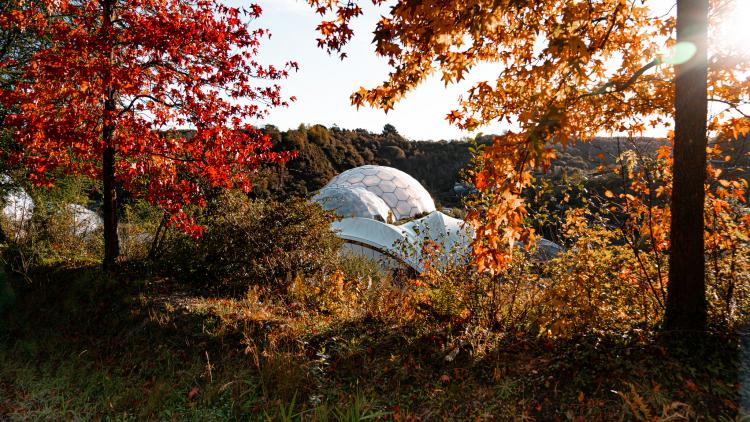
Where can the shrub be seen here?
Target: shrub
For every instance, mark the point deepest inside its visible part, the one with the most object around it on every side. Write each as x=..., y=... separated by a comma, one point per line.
x=506, y=300
x=255, y=242
x=58, y=234
x=361, y=270
x=140, y=223
x=597, y=284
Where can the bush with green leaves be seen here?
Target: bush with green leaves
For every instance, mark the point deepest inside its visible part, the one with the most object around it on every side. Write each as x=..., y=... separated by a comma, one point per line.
x=256, y=242
x=141, y=222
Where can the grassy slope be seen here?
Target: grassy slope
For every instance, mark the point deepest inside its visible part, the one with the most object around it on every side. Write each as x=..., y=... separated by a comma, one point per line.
x=85, y=347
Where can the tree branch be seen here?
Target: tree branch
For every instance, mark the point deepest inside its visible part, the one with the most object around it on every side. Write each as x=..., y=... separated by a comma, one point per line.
x=732, y=106
x=616, y=86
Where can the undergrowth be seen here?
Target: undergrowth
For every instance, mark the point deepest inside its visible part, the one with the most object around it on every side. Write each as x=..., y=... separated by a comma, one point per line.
x=145, y=348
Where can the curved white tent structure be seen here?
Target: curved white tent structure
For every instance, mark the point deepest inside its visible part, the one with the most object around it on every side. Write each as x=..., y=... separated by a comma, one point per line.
x=393, y=245
x=376, y=240
x=18, y=207
x=85, y=221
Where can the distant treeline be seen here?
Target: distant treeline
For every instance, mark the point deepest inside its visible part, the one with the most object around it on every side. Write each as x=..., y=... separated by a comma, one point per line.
x=325, y=152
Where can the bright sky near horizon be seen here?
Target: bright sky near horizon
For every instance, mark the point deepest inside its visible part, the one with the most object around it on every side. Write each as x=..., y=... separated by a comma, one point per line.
x=324, y=83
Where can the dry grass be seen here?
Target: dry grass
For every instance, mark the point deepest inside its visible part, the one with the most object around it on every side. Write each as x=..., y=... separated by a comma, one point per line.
x=154, y=350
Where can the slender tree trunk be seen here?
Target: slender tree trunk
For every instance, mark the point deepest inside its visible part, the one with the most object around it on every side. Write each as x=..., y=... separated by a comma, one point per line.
x=686, y=293
x=111, y=239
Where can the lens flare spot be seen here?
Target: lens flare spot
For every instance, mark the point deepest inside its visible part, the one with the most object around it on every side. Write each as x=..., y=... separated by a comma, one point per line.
x=679, y=53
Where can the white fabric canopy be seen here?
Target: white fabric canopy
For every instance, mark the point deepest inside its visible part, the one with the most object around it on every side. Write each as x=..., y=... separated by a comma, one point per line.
x=405, y=242
x=368, y=196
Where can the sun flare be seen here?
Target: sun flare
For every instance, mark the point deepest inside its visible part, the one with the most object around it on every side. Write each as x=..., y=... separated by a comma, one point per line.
x=733, y=29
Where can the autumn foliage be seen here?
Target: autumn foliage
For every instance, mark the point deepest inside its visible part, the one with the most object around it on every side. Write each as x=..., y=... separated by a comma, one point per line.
x=613, y=275
x=115, y=77
x=566, y=71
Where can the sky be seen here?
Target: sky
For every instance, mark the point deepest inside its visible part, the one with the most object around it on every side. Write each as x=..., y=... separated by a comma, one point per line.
x=324, y=83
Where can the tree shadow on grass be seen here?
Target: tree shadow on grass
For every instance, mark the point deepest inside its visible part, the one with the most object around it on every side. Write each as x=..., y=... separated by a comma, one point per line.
x=430, y=370
x=119, y=345
x=97, y=345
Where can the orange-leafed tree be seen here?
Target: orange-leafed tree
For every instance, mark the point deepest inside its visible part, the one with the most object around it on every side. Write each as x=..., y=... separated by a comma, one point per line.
x=568, y=70
x=116, y=77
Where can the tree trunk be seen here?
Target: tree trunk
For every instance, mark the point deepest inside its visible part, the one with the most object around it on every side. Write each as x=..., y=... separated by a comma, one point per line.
x=111, y=238
x=686, y=293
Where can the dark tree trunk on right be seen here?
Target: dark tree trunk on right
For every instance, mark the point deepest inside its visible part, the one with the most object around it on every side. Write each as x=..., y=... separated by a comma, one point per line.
x=686, y=298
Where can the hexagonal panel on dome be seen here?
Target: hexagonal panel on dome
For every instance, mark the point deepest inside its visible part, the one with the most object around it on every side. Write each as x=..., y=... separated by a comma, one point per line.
x=356, y=178
x=376, y=190
x=371, y=180
x=401, y=194
x=401, y=183
x=404, y=208
x=390, y=199
x=385, y=175
x=387, y=186
x=404, y=195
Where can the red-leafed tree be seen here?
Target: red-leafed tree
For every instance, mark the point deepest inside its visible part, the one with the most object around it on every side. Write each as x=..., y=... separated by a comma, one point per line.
x=118, y=75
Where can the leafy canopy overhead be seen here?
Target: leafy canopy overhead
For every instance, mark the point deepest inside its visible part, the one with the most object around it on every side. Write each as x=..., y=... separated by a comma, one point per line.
x=142, y=68
x=567, y=70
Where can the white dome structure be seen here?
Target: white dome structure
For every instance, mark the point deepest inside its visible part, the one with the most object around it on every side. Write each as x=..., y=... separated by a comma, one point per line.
x=402, y=193
x=18, y=207
x=353, y=202
x=85, y=221
x=370, y=198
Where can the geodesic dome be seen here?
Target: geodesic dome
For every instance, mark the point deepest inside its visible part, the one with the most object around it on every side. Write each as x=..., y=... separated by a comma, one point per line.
x=353, y=202
x=403, y=194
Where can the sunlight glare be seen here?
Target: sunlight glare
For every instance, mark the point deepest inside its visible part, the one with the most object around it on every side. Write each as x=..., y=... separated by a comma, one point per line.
x=733, y=31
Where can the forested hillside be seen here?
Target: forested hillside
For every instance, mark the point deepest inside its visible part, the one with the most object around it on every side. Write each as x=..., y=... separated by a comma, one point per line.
x=324, y=152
